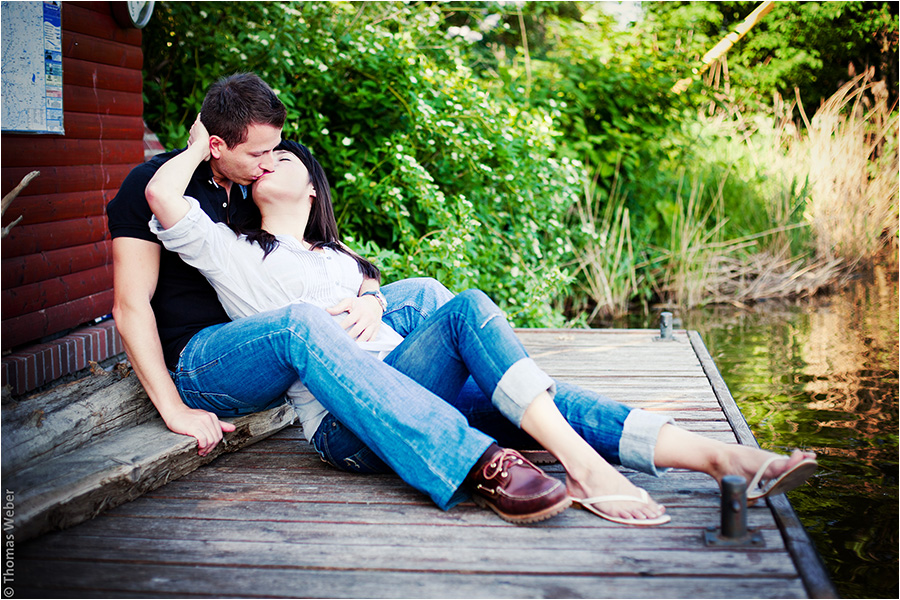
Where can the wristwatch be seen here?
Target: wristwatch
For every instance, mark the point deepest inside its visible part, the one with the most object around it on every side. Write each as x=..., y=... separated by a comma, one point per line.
x=378, y=296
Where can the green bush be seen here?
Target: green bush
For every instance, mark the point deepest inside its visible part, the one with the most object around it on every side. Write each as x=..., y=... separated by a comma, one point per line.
x=534, y=150
x=432, y=174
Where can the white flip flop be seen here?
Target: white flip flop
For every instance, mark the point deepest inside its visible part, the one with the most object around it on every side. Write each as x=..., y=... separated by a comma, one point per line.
x=787, y=481
x=589, y=505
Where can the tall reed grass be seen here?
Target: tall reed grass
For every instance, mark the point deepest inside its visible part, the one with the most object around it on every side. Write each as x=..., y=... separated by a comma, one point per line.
x=850, y=150
x=606, y=260
x=814, y=200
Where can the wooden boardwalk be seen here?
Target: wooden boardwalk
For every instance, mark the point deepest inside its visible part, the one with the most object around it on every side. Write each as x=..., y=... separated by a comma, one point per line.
x=272, y=520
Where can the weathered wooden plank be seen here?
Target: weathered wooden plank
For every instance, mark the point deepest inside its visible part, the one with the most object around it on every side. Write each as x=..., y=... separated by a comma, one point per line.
x=70, y=416
x=407, y=513
x=496, y=557
x=322, y=491
x=198, y=580
x=452, y=537
x=78, y=485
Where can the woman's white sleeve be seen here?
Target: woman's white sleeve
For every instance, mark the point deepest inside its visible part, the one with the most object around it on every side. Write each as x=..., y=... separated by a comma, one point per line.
x=200, y=242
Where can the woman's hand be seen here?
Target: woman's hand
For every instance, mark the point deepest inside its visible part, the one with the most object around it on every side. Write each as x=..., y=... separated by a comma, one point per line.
x=363, y=317
x=199, y=137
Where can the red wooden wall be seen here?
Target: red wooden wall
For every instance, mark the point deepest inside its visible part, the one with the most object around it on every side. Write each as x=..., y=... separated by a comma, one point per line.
x=57, y=263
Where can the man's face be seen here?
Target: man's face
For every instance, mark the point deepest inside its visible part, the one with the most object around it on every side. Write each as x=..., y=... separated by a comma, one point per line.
x=247, y=161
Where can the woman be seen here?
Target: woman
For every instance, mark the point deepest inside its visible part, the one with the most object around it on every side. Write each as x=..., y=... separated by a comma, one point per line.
x=294, y=254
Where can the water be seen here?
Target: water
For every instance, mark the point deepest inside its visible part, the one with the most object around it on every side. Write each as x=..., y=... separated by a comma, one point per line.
x=823, y=375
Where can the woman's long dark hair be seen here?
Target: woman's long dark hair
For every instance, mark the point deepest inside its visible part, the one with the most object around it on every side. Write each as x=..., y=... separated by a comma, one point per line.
x=321, y=229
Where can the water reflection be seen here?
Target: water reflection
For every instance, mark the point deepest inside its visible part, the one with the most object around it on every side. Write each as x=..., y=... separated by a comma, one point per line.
x=823, y=375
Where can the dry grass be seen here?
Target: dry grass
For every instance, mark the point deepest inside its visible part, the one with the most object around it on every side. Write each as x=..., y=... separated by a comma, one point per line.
x=763, y=276
x=850, y=151
x=831, y=201
x=838, y=178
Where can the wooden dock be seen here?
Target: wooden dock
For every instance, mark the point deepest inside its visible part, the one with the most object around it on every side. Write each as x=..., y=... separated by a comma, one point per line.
x=272, y=520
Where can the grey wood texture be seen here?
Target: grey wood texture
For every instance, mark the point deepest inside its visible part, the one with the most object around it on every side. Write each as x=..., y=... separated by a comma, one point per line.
x=81, y=448
x=274, y=521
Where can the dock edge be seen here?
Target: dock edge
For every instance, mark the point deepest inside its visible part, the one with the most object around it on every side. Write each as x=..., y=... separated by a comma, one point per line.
x=806, y=558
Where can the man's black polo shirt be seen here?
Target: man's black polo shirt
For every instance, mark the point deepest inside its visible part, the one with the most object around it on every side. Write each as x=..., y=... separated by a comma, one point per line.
x=184, y=302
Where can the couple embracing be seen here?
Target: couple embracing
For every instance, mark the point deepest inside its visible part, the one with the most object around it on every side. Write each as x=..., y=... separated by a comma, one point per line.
x=233, y=291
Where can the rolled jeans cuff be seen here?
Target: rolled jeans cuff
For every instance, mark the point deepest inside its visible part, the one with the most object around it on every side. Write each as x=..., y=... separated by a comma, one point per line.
x=518, y=388
x=638, y=443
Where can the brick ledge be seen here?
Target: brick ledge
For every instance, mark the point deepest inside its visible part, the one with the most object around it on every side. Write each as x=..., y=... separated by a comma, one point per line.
x=36, y=366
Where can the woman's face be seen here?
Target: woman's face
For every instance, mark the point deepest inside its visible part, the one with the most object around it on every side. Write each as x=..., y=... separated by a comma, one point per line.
x=289, y=180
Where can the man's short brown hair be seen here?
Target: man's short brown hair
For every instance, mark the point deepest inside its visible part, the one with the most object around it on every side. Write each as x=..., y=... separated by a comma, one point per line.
x=236, y=102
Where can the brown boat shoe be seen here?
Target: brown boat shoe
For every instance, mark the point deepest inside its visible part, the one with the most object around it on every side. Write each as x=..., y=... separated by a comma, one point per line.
x=515, y=489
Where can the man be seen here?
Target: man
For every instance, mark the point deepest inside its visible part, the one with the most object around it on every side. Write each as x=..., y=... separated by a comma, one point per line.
x=197, y=366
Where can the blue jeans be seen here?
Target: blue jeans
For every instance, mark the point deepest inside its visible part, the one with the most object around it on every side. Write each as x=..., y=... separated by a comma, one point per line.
x=467, y=354
x=246, y=365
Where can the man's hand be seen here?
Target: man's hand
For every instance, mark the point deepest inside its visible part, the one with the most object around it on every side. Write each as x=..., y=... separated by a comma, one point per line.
x=200, y=424
x=363, y=317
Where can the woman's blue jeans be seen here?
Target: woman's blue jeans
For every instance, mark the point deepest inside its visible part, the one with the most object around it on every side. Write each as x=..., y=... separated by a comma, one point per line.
x=466, y=353
x=246, y=366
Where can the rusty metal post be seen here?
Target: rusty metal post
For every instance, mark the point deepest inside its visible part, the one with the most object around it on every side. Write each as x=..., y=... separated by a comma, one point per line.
x=733, y=530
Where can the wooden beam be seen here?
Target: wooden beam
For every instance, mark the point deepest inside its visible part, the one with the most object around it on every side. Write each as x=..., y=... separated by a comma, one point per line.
x=719, y=50
x=78, y=450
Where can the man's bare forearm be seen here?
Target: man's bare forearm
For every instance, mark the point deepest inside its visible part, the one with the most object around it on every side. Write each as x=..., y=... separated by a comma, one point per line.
x=137, y=326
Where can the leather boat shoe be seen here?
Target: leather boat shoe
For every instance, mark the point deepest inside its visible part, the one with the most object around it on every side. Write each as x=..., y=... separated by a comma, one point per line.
x=515, y=489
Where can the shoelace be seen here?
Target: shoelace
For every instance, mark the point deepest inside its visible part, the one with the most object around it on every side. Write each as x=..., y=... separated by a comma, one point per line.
x=500, y=463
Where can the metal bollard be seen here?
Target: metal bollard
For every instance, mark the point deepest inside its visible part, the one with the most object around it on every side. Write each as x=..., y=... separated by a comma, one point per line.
x=665, y=328
x=733, y=530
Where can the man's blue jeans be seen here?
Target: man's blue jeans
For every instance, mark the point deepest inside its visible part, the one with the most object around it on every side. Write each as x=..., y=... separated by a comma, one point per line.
x=246, y=366
x=468, y=336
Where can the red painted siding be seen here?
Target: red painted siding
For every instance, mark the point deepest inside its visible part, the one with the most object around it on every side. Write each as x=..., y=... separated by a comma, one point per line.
x=57, y=262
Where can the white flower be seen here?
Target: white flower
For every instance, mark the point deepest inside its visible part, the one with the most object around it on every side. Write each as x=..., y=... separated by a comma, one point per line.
x=325, y=131
x=347, y=141
x=489, y=22
x=465, y=33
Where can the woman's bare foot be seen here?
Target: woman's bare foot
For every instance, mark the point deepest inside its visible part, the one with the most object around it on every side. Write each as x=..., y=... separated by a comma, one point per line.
x=588, y=475
x=681, y=449
x=747, y=461
x=602, y=479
